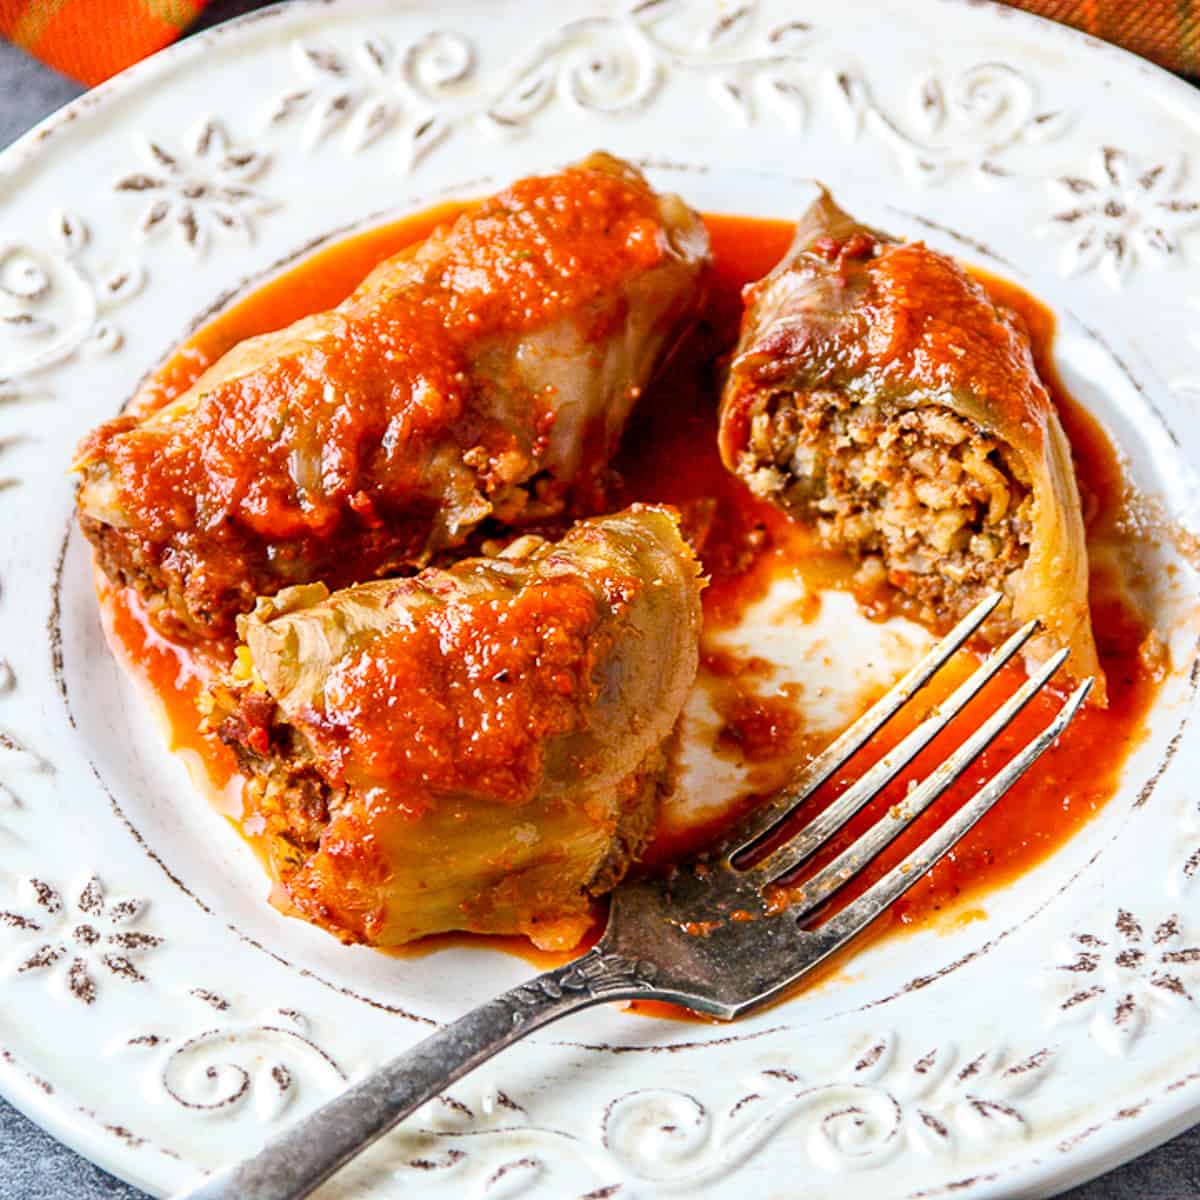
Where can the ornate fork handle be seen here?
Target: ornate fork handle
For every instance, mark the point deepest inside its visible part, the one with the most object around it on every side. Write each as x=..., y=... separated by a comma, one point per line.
x=307, y=1153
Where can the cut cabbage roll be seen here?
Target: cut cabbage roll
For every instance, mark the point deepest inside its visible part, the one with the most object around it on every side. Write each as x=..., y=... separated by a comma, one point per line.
x=483, y=373
x=878, y=393
x=480, y=748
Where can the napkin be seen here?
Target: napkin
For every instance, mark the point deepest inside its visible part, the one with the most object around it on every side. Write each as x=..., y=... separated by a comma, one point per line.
x=93, y=39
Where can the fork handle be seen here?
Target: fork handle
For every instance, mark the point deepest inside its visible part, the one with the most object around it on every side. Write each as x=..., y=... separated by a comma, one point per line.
x=297, y=1161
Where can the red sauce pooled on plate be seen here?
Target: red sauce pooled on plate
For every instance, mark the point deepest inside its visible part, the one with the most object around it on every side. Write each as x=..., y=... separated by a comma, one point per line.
x=669, y=454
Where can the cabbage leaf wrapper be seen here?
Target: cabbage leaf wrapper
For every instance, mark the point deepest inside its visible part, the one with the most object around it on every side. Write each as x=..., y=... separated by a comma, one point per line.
x=484, y=373
x=878, y=393
x=481, y=748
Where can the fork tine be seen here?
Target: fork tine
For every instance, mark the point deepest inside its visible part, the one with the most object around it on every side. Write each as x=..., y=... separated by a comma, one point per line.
x=826, y=823
x=889, y=826
x=840, y=751
x=841, y=928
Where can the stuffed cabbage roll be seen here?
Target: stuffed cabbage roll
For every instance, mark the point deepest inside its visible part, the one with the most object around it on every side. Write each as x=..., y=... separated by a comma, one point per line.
x=483, y=373
x=879, y=393
x=477, y=748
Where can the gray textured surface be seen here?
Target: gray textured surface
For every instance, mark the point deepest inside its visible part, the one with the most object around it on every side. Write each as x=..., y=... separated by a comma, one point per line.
x=33, y=1166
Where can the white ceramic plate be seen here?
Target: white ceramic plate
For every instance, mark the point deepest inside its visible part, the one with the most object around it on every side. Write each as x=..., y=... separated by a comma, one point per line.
x=156, y=1014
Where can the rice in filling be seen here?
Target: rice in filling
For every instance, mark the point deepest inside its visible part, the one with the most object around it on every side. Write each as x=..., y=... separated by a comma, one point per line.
x=921, y=496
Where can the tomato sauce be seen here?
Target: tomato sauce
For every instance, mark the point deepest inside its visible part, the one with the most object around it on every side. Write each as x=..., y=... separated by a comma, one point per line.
x=545, y=247
x=669, y=454
x=473, y=695
x=177, y=675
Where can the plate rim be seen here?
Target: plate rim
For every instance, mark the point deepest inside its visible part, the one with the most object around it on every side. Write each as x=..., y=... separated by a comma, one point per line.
x=85, y=1132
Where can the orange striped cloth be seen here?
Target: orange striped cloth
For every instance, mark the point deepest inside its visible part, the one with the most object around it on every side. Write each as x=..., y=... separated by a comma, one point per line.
x=1164, y=31
x=93, y=39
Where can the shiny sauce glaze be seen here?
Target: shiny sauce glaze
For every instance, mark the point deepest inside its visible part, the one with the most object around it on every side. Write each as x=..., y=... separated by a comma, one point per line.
x=485, y=687
x=670, y=455
x=960, y=342
x=542, y=249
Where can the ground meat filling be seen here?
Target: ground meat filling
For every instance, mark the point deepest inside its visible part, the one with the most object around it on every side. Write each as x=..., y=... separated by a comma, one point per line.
x=285, y=791
x=921, y=496
x=200, y=592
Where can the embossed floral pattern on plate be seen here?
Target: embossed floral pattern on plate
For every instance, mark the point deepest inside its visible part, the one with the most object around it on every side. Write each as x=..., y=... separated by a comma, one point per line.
x=69, y=940
x=200, y=190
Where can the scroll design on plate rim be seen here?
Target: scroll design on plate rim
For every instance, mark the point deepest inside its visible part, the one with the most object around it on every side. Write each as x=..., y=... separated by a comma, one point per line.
x=223, y=1063
x=610, y=65
x=967, y=122
x=55, y=304
x=881, y=1102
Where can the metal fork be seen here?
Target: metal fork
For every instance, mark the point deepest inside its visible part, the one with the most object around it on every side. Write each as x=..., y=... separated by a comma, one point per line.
x=707, y=935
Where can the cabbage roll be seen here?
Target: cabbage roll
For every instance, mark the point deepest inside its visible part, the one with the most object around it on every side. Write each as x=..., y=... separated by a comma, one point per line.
x=480, y=748
x=485, y=373
x=879, y=394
